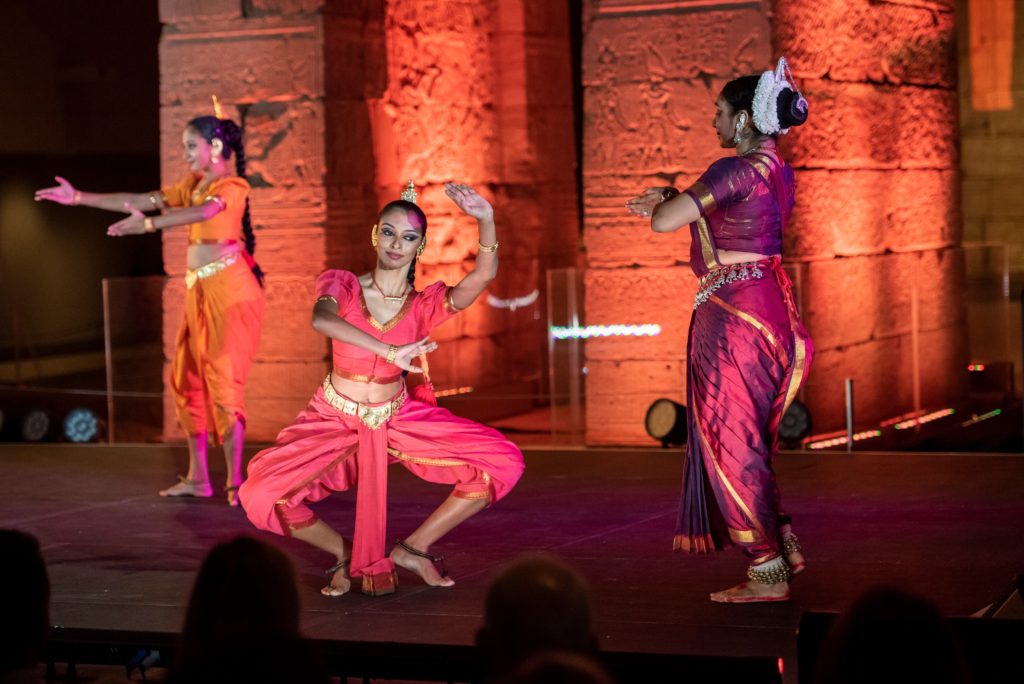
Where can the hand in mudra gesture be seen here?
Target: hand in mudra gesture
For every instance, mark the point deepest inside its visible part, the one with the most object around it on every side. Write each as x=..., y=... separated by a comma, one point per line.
x=408, y=352
x=62, y=193
x=469, y=201
x=643, y=205
x=133, y=224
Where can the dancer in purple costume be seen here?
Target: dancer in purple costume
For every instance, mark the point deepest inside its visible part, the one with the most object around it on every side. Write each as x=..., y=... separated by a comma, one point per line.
x=747, y=353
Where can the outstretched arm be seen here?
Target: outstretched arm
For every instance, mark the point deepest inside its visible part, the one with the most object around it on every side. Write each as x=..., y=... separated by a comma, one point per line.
x=135, y=223
x=327, y=322
x=486, y=266
x=65, y=193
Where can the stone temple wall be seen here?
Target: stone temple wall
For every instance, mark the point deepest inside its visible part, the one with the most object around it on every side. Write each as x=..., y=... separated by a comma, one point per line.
x=874, y=241
x=342, y=102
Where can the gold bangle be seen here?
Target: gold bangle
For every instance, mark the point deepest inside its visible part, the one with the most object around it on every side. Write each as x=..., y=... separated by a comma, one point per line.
x=488, y=248
x=153, y=200
x=392, y=353
x=77, y=199
x=147, y=225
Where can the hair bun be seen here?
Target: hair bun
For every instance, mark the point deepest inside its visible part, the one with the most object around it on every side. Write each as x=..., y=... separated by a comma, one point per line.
x=792, y=108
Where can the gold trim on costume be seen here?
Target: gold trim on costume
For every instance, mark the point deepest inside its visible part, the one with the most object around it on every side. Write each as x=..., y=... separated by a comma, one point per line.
x=395, y=320
x=706, y=248
x=210, y=269
x=761, y=327
x=283, y=501
x=326, y=298
x=762, y=168
x=473, y=496
x=705, y=200
x=728, y=485
x=375, y=379
x=439, y=462
x=745, y=536
x=798, y=371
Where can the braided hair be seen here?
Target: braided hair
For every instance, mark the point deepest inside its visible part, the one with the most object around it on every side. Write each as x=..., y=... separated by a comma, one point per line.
x=229, y=133
x=408, y=207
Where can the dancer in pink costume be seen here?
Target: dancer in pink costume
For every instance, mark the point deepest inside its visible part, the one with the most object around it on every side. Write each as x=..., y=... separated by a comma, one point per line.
x=748, y=352
x=362, y=417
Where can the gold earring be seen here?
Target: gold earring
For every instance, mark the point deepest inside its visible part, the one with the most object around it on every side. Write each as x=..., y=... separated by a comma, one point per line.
x=373, y=235
x=423, y=245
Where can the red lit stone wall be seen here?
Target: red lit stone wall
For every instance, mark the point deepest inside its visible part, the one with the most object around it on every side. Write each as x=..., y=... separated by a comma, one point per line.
x=342, y=102
x=877, y=210
x=877, y=216
x=650, y=76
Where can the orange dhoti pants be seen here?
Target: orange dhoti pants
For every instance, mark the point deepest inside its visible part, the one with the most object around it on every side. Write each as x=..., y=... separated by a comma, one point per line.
x=214, y=350
x=327, y=450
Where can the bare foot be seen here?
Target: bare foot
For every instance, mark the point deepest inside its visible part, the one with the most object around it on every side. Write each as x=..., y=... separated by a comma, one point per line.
x=340, y=583
x=753, y=592
x=198, y=488
x=423, y=567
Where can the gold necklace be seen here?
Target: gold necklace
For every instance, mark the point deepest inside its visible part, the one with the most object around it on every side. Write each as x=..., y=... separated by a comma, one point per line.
x=388, y=298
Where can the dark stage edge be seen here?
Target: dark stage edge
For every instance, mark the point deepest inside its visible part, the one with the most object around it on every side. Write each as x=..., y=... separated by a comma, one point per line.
x=946, y=526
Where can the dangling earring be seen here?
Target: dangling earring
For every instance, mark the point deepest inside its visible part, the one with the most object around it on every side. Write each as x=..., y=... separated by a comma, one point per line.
x=373, y=236
x=423, y=245
x=740, y=122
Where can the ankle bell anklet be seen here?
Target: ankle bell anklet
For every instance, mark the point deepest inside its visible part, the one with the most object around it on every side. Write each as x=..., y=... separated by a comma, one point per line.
x=774, y=571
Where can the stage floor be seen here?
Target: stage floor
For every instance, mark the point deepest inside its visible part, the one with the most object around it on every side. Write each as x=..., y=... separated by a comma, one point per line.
x=946, y=526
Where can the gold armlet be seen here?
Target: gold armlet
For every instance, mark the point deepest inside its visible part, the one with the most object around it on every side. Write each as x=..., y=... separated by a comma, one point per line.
x=488, y=248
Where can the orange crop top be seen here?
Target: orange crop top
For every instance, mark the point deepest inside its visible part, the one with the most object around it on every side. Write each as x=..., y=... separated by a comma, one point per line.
x=232, y=191
x=421, y=313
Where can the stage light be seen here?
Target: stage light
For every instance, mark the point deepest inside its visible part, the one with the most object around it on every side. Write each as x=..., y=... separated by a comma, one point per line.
x=666, y=422
x=796, y=423
x=35, y=425
x=81, y=425
x=927, y=418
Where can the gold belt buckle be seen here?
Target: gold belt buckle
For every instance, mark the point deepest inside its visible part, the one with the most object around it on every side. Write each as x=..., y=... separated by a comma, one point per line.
x=374, y=416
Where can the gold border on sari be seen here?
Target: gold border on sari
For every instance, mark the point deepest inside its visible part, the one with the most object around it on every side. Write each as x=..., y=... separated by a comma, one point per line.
x=752, y=320
x=706, y=248
x=439, y=462
x=728, y=486
x=705, y=200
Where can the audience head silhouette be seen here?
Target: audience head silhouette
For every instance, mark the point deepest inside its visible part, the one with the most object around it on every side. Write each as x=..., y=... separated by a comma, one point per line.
x=890, y=636
x=25, y=618
x=536, y=604
x=242, y=622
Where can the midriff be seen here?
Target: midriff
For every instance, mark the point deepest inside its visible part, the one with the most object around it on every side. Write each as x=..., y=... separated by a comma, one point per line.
x=728, y=256
x=203, y=253
x=365, y=392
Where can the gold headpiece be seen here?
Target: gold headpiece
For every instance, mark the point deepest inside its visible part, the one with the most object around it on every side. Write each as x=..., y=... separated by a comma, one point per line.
x=217, y=111
x=409, y=194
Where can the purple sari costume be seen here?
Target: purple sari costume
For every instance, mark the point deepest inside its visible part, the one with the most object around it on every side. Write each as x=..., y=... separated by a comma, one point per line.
x=747, y=356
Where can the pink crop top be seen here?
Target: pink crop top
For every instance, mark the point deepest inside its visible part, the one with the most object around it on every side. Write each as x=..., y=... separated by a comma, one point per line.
x=421, y=313
x=745, y=201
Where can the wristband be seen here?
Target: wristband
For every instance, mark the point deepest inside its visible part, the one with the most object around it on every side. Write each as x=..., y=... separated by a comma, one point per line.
x=147, y=225
x=392, y=353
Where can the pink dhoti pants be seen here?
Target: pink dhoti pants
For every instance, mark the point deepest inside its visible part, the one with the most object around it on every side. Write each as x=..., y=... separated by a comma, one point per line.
x=325, y=450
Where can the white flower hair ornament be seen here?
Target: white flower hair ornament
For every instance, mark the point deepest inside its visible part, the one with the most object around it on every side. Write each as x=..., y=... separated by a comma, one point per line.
x=766, y=100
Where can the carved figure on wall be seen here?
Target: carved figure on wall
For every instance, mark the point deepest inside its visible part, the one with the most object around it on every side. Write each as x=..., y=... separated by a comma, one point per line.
x=224, y=298
x=748, y=352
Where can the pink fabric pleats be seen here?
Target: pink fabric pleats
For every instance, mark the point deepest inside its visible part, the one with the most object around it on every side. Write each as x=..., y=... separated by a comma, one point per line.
x=748, y=353
x=324, y=451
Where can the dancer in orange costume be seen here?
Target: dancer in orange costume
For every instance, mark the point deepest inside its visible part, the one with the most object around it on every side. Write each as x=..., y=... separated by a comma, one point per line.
x=362, y=418
x=224, y=297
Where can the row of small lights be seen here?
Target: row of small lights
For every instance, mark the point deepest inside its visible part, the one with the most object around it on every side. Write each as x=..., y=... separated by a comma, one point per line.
x=576, y=332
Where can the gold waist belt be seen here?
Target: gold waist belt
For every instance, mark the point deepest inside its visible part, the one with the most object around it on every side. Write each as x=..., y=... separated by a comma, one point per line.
x=711, y=281
x=371, y=415
x=212, y=268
